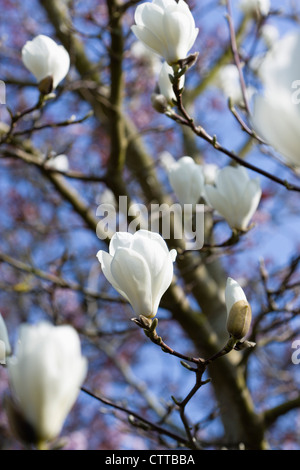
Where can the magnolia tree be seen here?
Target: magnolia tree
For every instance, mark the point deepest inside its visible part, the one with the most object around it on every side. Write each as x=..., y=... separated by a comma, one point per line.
x=149, y=257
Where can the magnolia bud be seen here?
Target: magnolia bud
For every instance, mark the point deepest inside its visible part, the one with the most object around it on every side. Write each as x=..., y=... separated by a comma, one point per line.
x=145, y=322
x=239, y=319
x=159, y=103
x=47, y=61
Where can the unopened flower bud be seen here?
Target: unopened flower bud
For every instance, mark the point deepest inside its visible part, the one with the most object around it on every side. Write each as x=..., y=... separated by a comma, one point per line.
x=239, y=319
x=159, y=103
x=238, y=310
x=47, y=61
x=145, y=322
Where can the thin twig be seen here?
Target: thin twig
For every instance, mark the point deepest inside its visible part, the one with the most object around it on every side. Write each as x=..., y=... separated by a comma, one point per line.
x=151, y=425
x=236, y=55
x=185, y=119
x=19, y=115
x=56, y=280
x=53, y=125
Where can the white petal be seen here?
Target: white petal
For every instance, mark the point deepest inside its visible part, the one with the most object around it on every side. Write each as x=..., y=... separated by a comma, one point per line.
x=151, y=16
x=33, y=56
x=235, y=196
x=187, y=180
x=185, y=16
x=159, y=260
x=233, y=293
x=149, y=237
x=248, y=203
x=149, y=39
x=152, y=251
x=176, y=29
x=277, y=120
x=119, y=240
x=131, y=272
x=162, y=282
x=231, y=183
x=193, y=37
x=217, y=201
x=105, y=260
x=163, y=3
x=138, y=14
x=59, y=63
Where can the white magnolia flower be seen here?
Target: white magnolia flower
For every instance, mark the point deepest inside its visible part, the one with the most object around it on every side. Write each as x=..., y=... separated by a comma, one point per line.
x=60, y=163
x=261, y=7
x=166, y=27
x=235, y=196
x=44, y=58
x=238, y=310
x=187, y=180
x=45, y=376
x=140, y=268
x=5, y=348
x=276, y=112
x=165, y=85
